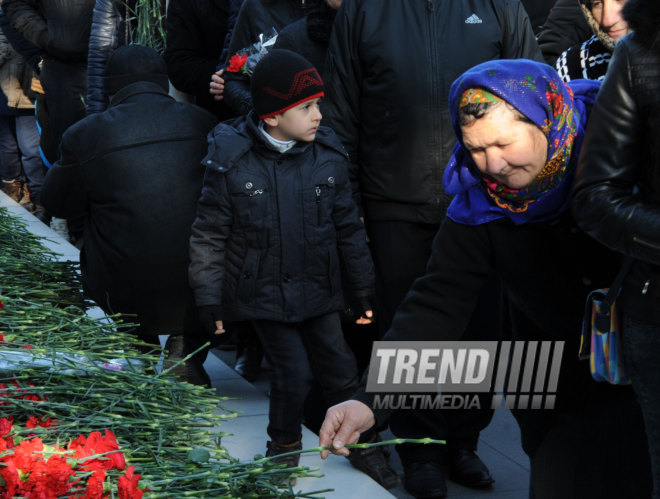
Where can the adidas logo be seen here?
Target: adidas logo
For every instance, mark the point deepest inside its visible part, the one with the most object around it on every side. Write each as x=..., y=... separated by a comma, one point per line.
x=473, y=19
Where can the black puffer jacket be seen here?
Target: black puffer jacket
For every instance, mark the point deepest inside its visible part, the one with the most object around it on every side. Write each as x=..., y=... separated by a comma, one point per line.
x=254, y=18
x=271, y=227
x=133, y=170
x=196, y=32
x=621, y=153
x=388, y=71
x=60, y=27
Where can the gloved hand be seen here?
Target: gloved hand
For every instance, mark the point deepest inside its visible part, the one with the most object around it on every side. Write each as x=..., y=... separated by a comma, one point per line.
x=367, y=316
x=210, y=317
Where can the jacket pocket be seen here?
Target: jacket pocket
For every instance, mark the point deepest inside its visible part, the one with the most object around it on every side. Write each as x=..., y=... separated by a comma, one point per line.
x=248, y=277
x=324, y=195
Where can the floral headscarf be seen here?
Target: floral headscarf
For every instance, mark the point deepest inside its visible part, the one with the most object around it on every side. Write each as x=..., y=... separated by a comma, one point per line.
x=558, y=109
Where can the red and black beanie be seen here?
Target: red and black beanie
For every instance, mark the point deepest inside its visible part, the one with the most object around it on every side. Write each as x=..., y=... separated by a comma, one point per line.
x=281, y=80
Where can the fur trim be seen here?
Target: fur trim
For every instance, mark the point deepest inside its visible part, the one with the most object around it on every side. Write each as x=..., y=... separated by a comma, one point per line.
x=643, y=17
x=604, y=37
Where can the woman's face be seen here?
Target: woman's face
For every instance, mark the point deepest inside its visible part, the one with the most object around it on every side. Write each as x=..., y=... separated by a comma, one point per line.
x=506, y=149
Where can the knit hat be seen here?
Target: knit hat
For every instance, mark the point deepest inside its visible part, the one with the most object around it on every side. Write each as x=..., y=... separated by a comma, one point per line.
x=281, y=80
x=132, y=63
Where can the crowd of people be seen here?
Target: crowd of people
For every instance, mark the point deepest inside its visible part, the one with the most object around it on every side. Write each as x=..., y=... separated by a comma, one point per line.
x=395, y=171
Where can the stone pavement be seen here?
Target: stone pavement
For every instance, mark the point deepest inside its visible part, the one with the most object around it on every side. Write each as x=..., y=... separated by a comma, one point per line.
x=499, y=445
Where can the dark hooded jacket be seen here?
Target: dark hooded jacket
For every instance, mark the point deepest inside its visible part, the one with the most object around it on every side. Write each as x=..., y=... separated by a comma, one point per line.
x=271, y=227
x=133, y=171
x=564, y=27
x=617, y=191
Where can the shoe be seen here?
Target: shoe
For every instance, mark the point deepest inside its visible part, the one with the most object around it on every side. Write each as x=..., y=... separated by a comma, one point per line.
x=292, y=461
x=466, y=468
x=425, y=479
x=372, y=462
x=25, y=200
x=13, y=189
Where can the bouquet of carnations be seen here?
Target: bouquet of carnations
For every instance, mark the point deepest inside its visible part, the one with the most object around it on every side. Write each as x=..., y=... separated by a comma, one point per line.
x=245, y=60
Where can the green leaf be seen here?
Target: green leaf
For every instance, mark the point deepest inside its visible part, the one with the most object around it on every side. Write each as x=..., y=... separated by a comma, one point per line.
x=198, y=455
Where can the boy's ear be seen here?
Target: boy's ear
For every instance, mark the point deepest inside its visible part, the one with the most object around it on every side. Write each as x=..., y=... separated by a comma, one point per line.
x=272, y=121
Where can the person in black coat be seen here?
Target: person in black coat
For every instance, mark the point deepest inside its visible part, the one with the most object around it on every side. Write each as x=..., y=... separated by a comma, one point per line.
x=519, y=130
x=564, y=27
x=195, y=36
x=617, y=199
x=133, y=172
x=275, y=219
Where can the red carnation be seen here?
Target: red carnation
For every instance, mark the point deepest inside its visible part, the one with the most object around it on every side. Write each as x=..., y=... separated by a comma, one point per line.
x=96, y=444
x=127, y=486
x=94, y=488
x=236, y=62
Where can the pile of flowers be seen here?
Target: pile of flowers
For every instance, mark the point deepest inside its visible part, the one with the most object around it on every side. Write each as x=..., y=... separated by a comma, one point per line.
x=85, y=413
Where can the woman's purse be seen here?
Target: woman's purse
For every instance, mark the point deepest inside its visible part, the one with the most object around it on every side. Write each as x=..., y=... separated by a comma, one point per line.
x=601, y=332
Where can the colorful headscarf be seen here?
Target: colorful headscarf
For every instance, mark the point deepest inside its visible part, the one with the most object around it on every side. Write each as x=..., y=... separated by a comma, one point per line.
x=558, y=109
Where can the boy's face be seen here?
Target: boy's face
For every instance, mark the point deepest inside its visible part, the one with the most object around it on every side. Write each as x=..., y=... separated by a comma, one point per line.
x=297, y=123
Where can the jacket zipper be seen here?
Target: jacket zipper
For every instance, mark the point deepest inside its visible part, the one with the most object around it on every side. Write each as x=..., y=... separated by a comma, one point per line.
x=318, y=205
x=646, y=243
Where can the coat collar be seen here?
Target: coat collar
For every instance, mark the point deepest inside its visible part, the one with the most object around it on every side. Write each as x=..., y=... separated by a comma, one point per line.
x=140, y=87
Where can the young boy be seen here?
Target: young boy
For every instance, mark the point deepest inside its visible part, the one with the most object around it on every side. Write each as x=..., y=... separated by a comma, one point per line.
x=275, y=215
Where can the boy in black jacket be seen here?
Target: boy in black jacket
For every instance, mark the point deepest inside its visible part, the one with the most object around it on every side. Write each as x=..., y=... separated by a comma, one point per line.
x=275, y=214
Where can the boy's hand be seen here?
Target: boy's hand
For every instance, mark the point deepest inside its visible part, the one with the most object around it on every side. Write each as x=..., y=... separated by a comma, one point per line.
x=210, y=319
x=368, y=315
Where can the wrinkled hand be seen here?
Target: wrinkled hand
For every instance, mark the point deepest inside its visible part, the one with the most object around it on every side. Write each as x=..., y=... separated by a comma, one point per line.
x=209, y=317
x=217, y=85
x=343, y=424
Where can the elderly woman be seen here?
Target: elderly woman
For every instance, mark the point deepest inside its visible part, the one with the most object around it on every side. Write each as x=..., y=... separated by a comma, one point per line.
x=519, y=128
x=617, y=199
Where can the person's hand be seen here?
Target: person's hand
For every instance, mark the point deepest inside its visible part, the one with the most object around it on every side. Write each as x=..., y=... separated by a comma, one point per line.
x=343, y=424
x=217, y=85
x=210, y=319
x=367, y=316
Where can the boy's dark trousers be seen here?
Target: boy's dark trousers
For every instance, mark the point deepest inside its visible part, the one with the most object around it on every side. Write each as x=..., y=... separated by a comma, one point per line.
x=297, y=353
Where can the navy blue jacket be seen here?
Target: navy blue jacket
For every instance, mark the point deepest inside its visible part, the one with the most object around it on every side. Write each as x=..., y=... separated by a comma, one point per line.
x=271, y=227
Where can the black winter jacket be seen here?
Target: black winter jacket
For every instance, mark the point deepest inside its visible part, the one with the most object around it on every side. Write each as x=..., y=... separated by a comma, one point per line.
x=196, y=32
x=617, y=193
x=254, y=18
x=271, y=227
x=133, y=170
x=388, y=71
x=547, y=270
x=59, y=27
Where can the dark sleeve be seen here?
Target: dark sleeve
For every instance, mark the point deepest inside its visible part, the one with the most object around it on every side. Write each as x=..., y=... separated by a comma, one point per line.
x=103, y=40
x=249, y=25
x=519, y=41
x=30, y=52
x=439, y=305
x=343, y=79
x=63, y=193
x=564, y=27
x=352, y=238
x=188, y=65
x=24, y=16
x=210, y=232
x=234, y=9
x=609, y=168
